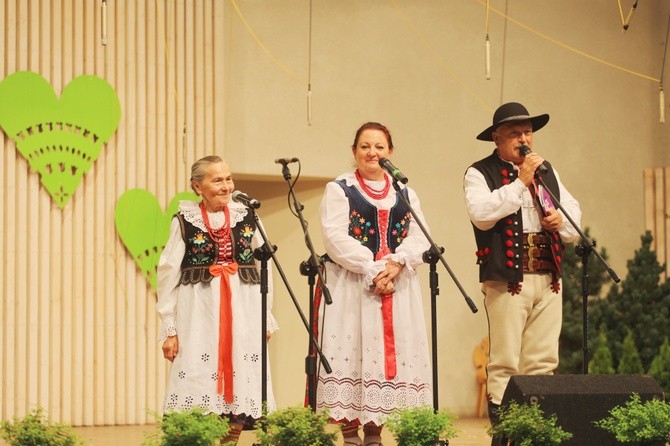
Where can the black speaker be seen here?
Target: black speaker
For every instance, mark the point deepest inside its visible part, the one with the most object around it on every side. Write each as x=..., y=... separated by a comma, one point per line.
x=579, y=400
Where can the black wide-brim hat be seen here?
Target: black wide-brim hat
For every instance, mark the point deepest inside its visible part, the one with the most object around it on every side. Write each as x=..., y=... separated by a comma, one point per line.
x=512, y=111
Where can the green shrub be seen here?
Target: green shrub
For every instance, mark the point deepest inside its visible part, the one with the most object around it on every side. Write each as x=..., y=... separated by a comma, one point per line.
x=640, y=302
x=36, y=430
x=421, y=426
x=188, y=428
x=601, y=363
x=630, y=362
x=660, y=368
x=526, y=425
x=639, y=422
x=294, y=426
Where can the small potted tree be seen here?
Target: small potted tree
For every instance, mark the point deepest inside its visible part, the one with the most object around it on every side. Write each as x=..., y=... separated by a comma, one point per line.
x=639, y=423
x=36, y=430
x=526, y=425
x=421, y=426
x=294, y=426
x=188, y=428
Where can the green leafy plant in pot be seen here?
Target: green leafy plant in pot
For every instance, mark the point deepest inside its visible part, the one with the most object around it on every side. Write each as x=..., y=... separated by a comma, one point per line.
x=639, y=423
x=527, y=425
x=294, y=426
x=421, y=426
x=188, y=428
x=35, y=429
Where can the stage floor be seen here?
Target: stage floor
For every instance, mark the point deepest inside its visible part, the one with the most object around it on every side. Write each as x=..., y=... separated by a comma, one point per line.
x=473, y=433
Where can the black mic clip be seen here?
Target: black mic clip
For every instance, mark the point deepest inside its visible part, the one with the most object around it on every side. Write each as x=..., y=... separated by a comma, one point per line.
x=285, y=161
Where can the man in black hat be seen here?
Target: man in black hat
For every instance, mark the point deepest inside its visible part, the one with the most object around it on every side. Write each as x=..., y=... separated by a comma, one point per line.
x=519, y=235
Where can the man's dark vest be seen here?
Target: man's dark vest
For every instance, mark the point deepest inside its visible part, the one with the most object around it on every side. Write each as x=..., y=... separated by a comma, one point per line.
x=202, y=252
x=363, y=220
x=500, y=249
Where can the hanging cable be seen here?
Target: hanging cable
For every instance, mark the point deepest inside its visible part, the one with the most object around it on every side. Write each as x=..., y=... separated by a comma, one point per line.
x=309, y=70
x=661, y=95
x=103, y=23
x=262, y=46
x=504, y=53
x=168, y=21
x=487, y=45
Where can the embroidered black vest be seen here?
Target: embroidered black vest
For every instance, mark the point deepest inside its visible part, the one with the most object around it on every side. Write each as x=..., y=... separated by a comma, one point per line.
x=202, y=252
x=363, y=224
x=500, y=249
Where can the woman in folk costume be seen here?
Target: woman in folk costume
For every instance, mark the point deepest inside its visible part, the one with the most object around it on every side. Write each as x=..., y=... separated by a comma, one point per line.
x=209, y=302
x=373, y=334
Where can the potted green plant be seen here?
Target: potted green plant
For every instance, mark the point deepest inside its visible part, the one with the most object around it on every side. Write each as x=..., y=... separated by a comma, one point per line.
x=188, y=428
x=526, y=425
x=421, y=426
x=295, y=426
x=36, y=430
x=640, y=423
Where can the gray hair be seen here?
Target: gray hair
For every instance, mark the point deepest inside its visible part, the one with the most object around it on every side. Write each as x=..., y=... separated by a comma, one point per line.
x=199, y=168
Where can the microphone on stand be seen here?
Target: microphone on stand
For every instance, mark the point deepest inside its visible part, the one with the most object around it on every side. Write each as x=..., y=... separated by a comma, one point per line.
x=242, y=198
x=525, y=150
x=388, y=166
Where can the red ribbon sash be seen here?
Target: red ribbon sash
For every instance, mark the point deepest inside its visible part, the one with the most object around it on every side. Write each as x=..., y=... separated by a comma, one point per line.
x=389, y=336
x=225, y=361
x=390, y=366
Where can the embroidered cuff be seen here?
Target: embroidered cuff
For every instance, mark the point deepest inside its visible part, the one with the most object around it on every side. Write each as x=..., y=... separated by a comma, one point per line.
x=377, y=267
x=168, y=328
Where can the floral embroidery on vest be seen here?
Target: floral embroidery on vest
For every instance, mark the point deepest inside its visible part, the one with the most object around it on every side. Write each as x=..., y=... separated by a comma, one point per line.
x=401, y=228
x=359, y=228
x=202, y=250
x=245, y=252
x=365, y=224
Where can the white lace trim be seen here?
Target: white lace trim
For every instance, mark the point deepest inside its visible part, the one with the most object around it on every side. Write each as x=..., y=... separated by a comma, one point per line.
x=168, y=328
x=400, y=282
x=192, y=214
x=377, y=267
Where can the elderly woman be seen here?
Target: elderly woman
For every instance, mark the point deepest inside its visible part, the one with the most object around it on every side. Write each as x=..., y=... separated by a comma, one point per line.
x=373, y=333
x=209, y=302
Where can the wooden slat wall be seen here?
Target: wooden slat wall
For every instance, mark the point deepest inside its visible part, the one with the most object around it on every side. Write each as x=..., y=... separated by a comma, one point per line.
x=657, y=211
x=78, y=325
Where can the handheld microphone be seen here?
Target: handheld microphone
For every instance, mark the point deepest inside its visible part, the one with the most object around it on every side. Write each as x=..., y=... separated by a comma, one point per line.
x=242, y=198
x=525, y=150
x=285, y=161
x=388, y=166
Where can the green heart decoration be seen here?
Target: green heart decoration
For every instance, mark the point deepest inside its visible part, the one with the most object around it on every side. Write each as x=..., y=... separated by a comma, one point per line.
x=144, y=228
x=61, y=139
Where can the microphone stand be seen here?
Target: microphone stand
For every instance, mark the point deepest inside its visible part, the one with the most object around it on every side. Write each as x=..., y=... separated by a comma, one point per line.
x=583, y=249
x=314, y=263
x=307, y=268
x=263, y=253
x=432, y=256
